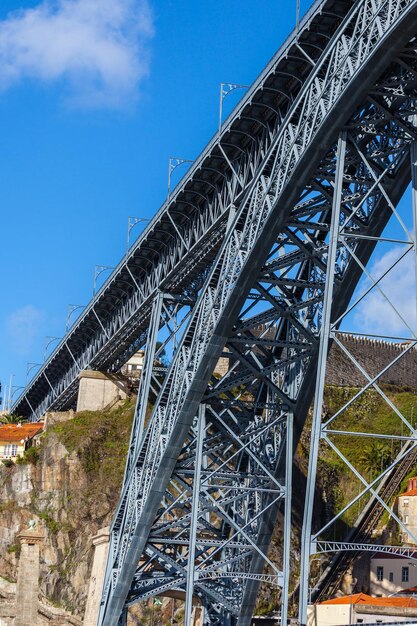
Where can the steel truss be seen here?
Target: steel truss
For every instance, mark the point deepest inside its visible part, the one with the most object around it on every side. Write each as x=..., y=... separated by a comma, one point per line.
x=331, y=432
x=207, y=478
x=176, y=250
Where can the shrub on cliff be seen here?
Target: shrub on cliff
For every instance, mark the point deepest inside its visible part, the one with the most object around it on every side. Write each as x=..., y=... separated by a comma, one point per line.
x=100, y=439
x=31, y=455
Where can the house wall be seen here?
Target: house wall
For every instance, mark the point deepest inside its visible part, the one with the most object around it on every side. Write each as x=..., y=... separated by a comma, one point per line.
x=342, y=614
x=407, y=511
x=329, y=614
x=3, y=444
x=135, y=362
x=386, y=587
x=101, y=546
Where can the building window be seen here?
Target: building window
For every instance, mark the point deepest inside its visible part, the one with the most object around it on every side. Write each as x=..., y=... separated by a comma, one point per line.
x=391, y=577
x=404, y=575
x=405, y=519
x=379, y=573
x=406, y=501
x=10, y=450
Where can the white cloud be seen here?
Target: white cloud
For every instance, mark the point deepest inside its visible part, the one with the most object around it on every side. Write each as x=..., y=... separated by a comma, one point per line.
x=23, y=327
x=374, y=314
x=98, y=46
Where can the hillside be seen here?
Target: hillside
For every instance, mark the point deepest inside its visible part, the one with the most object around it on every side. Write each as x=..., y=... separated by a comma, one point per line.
x=70, y=484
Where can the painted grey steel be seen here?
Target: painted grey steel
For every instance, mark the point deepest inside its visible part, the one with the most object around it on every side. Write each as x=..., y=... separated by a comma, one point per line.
x=342, y=241
x=320, y=379
x=339, y=546
x=198, y=206
x=256, y=220
x=189, y=592
x=289, y=444
x=241, y=249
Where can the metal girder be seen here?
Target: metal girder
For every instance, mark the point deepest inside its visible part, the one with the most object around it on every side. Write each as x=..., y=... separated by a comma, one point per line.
x=329, y=433
x=277, y=222
x=198, y=208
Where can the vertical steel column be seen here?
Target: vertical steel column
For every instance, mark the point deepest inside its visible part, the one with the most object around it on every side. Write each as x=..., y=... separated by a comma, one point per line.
x=287, y=518
x=145, y=381
x=320, y=377
x=413, y=158
x=201, y=425
x=123, y=618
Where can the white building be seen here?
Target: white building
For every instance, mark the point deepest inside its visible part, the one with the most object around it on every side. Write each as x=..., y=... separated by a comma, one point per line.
x=391, y=574
x=407, y=512
x=134, y=365
x=360, y=608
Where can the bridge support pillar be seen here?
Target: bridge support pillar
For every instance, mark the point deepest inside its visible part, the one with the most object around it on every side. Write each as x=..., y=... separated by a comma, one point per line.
x=101, y=546
x=28, y=578
x=99, y=390
x=319, y=389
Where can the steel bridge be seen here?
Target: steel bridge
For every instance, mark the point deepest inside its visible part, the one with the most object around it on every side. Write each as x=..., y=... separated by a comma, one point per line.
x=254, y=257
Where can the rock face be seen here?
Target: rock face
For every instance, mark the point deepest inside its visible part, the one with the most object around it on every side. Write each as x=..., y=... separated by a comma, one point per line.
x=71, y=490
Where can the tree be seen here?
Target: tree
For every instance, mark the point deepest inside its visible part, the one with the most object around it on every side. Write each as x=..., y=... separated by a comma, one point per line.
x=375, y=457
x=11, y=419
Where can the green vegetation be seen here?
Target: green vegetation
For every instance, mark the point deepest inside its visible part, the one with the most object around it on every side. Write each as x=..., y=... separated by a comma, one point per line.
x=14, y=548
x=8, y=579
x=9, y=505
x=368, y=413
x=12, y=419
x=31, y=455
x=100, y=440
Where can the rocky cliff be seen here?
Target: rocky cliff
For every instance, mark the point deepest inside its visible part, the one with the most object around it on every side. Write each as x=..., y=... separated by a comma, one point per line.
x=71, y=482
x=70, y=485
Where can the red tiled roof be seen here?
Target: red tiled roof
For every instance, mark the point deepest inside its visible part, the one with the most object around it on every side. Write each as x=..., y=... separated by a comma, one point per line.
x=15, y=433
x=412, y=492
x=363, y=598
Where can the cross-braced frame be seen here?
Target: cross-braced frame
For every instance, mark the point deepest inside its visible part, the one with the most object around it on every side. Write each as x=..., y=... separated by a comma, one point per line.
x=261, y=308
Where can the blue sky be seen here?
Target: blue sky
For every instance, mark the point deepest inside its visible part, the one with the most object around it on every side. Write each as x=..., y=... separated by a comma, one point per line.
x=95, y=96
x=85, y=139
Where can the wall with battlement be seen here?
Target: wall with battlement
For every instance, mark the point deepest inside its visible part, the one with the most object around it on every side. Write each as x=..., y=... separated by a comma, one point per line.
x=373, y=355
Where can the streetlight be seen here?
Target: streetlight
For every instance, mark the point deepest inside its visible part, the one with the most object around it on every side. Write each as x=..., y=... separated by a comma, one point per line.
x=48, y=341
x=70, y=310
x=173, y=163
x=99, y=269
x=225, y=90
x=14, y=389
x=29, y=368
x=7, y=394
x=131, y=223
x=297, y=16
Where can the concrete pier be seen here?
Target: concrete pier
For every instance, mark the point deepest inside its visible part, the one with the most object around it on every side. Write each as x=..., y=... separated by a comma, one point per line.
x=27, y=590
x=101, y=546
x=99, y=390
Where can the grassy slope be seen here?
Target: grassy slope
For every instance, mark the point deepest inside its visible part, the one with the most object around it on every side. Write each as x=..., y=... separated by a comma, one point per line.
x=100, y=440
